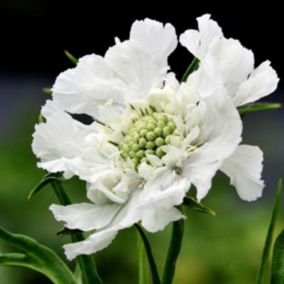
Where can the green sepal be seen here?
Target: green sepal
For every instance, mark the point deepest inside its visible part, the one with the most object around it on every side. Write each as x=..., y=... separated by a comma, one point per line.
x=72, y=58
x=68, y=232
x=47, y=90
x=46, y=180
x=193, y=204
x=190, y=69
x=254, y=107
x=35, y=256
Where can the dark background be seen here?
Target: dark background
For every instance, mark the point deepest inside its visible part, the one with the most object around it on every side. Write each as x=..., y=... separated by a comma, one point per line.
x=33, y=35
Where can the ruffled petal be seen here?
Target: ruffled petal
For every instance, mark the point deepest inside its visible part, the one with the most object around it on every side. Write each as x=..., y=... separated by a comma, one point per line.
x=159, y=198
x=85, y=216
x=233, y=61
x=142, y=61
x=59, y=142
x=156, y=219
x=125, y=218
x=159, y=39
x=89, y=87
x=198, y=42
x=220, y=133
x=244, y=168
x=261, y=82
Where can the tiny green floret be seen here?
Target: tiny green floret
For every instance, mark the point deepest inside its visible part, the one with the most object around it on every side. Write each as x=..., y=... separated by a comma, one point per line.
x=146, y=136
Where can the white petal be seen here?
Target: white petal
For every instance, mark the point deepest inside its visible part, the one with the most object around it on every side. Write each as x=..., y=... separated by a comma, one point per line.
x=50, y=108
x=94, y=243
x=261, y=82
x=159, y=198
x=142, y=61
x=198, y=42
x=156, y=219
x=233, y=61
x=244, y=168
x=137, y=67
x=126, y=217
x=59, y=142
x=155, y=37
x=220, y=133
x=88, y=86
x=85, y=216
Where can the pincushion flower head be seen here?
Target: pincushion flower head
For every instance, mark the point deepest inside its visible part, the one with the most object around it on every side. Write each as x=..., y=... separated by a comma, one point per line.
x=152, y=138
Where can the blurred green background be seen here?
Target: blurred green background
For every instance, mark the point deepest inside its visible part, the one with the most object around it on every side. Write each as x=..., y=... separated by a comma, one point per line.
x=222, y=249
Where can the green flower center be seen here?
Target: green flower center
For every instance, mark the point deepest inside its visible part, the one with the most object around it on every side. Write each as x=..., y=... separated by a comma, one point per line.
x=147, y=136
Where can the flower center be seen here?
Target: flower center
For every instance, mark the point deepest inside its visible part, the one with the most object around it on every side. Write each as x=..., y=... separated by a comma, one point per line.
x=147, y=136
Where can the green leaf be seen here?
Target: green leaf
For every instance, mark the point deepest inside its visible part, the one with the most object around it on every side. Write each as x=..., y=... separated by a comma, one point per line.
x=277, y=271
x=253, y=107
x=72, y=58
x=268, y=242
x=46, y=180
x=151, y=260
x=35, y=256
x=191, y=68
x=142, y=261
x=194, y=205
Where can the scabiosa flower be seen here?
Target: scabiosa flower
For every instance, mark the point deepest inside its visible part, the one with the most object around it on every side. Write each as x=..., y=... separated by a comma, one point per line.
x=230, y=62
x=151, y=139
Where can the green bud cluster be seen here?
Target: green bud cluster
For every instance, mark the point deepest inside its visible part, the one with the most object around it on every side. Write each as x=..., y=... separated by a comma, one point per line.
x=147, y=136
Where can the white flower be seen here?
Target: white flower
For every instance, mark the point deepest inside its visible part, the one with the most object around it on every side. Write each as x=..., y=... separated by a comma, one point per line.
x=154, y=139
x=231, y=61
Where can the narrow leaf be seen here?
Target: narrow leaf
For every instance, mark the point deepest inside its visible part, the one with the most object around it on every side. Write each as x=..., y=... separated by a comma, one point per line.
x=72, y=58
x=268, y=242
x=253, y=107
x=277, y=271
x=151, y=260
x=35, y=256
x=191, y=68
x=194, y=205
x=47, y=179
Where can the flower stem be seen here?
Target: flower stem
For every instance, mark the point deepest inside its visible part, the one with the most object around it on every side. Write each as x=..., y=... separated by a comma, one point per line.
x=191, y=68
x=143, y=271
x=151, y=260
x=173, y=252
x=87, y=263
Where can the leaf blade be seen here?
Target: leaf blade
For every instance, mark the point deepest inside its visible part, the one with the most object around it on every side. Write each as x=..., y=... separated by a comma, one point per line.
x=268, y=241
x=36, y=256
x=277, y=270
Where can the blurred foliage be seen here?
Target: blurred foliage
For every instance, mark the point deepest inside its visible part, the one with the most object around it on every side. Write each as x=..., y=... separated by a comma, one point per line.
x=222, y=249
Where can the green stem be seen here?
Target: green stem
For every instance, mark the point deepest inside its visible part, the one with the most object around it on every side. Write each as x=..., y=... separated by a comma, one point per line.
x=191, y=68
x=151, y=260
x=173, y=252
x=142, y=261
x=86, y=262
